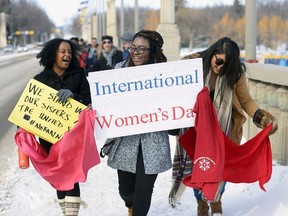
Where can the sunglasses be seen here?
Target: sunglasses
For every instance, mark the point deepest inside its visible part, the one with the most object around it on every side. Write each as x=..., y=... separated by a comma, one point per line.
x=219, y=61
x=107, y=41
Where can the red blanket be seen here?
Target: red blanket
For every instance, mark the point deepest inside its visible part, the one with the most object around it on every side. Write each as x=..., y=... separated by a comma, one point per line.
x=216, y=158
x=69, y=159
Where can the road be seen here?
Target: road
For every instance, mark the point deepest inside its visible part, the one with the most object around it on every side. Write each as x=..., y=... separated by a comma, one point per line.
x=15, y=71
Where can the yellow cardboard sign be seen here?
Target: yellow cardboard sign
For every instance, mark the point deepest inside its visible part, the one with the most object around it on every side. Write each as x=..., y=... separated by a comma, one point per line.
x=41, y=113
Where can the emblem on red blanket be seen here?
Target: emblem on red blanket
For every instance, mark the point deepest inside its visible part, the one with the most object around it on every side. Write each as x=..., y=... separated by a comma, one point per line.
x=204, y=163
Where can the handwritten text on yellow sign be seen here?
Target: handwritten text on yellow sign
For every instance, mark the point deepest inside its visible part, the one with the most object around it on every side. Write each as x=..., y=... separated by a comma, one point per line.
x=40, y=112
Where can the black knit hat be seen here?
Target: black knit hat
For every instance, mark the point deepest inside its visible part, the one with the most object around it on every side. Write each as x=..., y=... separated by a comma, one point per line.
x=107, y=37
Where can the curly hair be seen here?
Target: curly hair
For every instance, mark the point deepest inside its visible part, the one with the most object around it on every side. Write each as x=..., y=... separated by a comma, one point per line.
x=48, y=53
x=155, y=42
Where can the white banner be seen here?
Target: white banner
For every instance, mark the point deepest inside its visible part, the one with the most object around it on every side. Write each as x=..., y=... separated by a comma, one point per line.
x=146, y=98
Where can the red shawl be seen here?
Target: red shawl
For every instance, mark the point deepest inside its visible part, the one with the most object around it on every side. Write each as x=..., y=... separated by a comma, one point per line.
x=69, y=159
x=216, y=158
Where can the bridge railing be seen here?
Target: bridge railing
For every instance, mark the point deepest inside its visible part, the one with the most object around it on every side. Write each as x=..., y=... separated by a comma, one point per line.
x=269, y=87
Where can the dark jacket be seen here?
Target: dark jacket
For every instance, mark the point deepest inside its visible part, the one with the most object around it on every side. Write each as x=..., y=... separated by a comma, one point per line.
x=101, y=64
x=75, y=81
x=90, y=62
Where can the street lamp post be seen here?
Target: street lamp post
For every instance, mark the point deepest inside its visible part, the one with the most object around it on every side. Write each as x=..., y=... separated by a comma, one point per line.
x=122, y=18
x=3, y=40
x=250, y=29
x=136, y=16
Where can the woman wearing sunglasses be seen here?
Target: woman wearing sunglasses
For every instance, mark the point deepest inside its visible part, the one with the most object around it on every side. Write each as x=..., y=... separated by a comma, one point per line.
x=140, y=157
x=224, y=75
x=109, y=55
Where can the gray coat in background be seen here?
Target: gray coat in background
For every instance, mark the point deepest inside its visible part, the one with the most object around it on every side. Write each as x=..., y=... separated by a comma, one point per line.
x=155, y=147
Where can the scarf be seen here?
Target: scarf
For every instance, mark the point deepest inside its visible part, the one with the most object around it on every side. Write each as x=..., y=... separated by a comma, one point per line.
x=108, y=56
x=222, y=106
x=181, y=168
x=182, y=163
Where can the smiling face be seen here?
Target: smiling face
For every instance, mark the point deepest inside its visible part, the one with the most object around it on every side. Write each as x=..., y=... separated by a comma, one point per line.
x=63, y=58
x=217, y=62
x=140, y=57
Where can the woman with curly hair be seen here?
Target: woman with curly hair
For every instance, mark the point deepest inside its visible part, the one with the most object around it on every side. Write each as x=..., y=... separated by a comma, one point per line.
x=62, y=72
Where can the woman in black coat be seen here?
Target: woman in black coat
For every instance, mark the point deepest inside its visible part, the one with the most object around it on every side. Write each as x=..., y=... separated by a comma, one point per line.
x=109, y=55
x=62, y=72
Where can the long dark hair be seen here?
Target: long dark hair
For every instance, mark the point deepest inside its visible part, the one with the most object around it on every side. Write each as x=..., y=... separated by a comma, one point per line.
x=233, y=68
x=48, y=54
x=155, y=42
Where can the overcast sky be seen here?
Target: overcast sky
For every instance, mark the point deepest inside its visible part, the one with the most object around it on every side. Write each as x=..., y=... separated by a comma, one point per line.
x=61, y=11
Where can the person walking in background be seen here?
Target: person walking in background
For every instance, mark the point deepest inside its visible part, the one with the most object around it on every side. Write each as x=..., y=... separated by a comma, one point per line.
x=139, y=158
x=75, y=40
x=126, y=41
x=93, y=54
x=62, y=72
x=82, y=57
x=224, y=76
x=82, y=43
x=109, y=55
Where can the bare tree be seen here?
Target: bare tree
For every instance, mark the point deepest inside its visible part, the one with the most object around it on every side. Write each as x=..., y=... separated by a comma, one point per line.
x=75, y=27
x=27, y=22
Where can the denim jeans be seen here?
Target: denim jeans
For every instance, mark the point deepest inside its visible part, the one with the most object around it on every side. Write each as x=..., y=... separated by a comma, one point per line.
x=198, y=193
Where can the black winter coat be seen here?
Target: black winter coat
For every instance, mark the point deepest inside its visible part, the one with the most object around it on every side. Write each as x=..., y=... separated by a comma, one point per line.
x=101, y=63
x=75, y=81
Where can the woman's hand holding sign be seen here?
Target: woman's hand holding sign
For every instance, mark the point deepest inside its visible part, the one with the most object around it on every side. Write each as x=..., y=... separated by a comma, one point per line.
x=64, y=94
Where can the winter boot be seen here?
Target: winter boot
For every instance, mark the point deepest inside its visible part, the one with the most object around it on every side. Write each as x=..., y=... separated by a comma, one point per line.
x=130, y=211
x=216, y=208
x=72, y=205
x=203, y=208
x=62, y=205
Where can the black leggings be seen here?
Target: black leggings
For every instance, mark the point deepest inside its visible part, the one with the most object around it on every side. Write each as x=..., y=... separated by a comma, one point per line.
x=75, y=192
x=61, y=194
x=136, y=189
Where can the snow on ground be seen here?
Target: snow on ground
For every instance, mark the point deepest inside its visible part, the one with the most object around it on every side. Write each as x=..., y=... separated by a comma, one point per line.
x=25, y=192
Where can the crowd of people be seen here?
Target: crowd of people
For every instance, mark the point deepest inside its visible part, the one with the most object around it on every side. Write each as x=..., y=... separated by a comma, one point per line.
x=103, y=56
x=139, y=158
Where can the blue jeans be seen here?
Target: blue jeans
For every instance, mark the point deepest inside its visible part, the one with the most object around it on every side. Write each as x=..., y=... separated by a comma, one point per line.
x=198, y=193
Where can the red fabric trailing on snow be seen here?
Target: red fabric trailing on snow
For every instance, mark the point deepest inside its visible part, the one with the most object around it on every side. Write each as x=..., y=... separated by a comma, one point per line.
x=69, y=159
x=216, y=158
